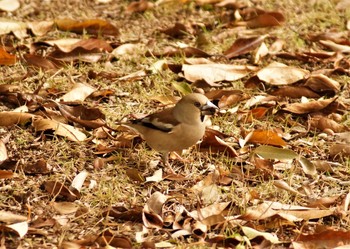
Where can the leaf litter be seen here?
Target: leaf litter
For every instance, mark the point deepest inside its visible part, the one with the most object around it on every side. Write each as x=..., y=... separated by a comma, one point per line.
x=272, y=169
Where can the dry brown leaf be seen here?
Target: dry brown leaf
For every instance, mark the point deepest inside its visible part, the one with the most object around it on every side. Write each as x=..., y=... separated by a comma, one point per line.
x=78, y=54
x=325, y=239
x=57, y=189
x=121, y=213
x=283, y=185
x=339, y=150
x=9, y=217
x=6, y=58
x=323, y=123
x=60, y=129
x=41, y=28
x=226, y=98
x=243, y=46
x=125, y=50
x=19, y=229
x=79, y=92
x=91, y=26
x=65, y=207
x=308, y=107
x=280, y=74
x=18, y=28
x=71, y=46
x=261, y=52
x=324, y=202
x=212, y=141
x=9, y=5
x=176, y=31
x=321, y=83
x=90, y=118
x=211, y=210
x=139, y=6
x=336, y=47
x=14, y=118
x=156, y=177
x=42, y=62
x=212, y=73
x=152, y=211
x=295, y=92
x=38, y=167
x=79, y=180
x=267, y=19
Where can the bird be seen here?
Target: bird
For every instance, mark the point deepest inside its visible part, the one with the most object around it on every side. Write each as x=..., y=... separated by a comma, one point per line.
x=175, y=128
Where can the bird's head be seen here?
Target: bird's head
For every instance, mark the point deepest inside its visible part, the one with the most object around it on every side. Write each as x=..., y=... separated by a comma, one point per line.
x=196, y=103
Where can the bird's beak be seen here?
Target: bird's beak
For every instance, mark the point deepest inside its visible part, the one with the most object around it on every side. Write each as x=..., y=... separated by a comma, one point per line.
x=209, y=108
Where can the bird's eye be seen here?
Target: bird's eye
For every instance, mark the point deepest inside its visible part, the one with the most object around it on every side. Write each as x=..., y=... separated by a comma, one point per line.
x=197, y=104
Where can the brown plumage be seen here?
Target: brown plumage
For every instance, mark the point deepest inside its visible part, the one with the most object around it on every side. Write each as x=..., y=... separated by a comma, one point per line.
x=176, y=128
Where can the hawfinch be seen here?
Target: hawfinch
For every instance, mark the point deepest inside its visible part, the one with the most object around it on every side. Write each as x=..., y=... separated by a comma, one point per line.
x=176, y=128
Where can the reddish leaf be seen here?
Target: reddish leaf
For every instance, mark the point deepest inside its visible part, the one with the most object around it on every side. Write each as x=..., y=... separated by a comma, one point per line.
x=6, y=58
x=266, y=137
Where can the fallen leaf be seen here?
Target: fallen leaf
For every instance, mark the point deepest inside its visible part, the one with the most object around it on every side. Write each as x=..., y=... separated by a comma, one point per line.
x=156, y=177
x=17, y=27
x=252, y=233
x=321, y=83
x=79, y=92
x=6, y=174
x=325, y=239
x=295, y=92
x=312, y=106
x=308, y=167
x=20, y=228
x=65, y=207
x=79, y=180
x=9, y=217
x=212, y=73
x=60, y=129
x=280, y=74
x=267, y=19
x=41, y=28
x=6, y=58
x=266, y=137
x=339, y=150
x=9, y=5
x=57, y=189
x=91, y=26
x=42, y=62
x=336, y=47
x=283, y=185
x=243, y=46
x=269, y=152
x=323, y=123
x=14, y=118
x=139, y=6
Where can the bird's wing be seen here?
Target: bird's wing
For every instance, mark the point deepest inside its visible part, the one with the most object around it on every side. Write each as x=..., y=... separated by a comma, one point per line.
x=162, y=121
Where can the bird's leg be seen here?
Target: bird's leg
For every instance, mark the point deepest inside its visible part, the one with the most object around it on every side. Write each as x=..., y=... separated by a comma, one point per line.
x=165, y=159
